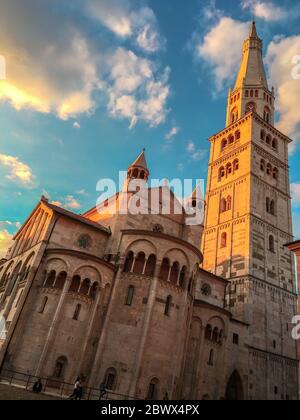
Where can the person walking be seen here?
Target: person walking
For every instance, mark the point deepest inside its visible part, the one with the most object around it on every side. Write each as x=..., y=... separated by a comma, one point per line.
x=75, y=389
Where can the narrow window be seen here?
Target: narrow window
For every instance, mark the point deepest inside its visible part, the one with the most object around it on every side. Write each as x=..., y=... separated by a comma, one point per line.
x=211, y=358
x=128, y=262
x=43, y=305
x=168, y=306
x=77, y=313
x=110, y=379
x=130, y=295
x=224, y=240
x=262, y=165
x=235, y=339
x=208, y=332
x=271, y=243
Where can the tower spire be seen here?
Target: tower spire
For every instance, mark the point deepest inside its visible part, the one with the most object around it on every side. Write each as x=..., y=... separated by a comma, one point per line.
x=139, y=169
x=252, y=71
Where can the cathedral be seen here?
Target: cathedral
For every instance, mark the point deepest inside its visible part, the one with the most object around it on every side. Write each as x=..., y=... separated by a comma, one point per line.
x=150, y=305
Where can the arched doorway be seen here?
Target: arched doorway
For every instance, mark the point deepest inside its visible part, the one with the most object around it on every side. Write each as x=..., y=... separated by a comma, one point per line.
x=234, y=390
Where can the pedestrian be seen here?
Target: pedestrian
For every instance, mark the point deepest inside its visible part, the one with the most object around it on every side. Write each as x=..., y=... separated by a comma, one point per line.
x=37, y=387
x=75, y=389
x=166, y=397
x=79, y=391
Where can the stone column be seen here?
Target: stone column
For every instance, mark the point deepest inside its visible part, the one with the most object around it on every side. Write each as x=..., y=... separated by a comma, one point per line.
x=145, y=331
x=52, y=331
x=101, y=344
x=96, y=305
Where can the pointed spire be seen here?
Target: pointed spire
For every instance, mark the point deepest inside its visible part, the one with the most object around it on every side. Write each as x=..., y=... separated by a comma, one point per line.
x=139, y=169
x=140, y=161
x=252, y=71
x=253, y=31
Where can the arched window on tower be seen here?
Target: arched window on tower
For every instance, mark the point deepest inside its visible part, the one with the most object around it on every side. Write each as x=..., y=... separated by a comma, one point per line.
x=269, y=169
x=256, y=94
x=238, y=135
x=223, y=144
x=267, y=113
x=221, y=173
x=215, y=335
x=275, y=144
x=229, y=203
x=262, y=165
x=268, y=140
x=230, y=139
x=262, y=135
x=271, y=243
x=272, y=207
x=275, y=173
x=228, y=169
x=224, y=240
x=236, y=165
x=223, y=205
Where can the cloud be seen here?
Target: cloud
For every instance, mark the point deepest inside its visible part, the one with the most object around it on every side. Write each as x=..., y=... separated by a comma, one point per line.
x=295, y=192
x=68, y=73
x=265, y=10
x=18, y=171
x=221, y=49
x=139, y=25
x=280, y=56
x=195, y=154
x=49, y=71
x=136, y=92
x=5, y=242
x=172, y=133
x=69, y=203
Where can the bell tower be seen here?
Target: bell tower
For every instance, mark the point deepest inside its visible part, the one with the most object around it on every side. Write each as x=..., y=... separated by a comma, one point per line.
x=248, y=222
x=251, y=91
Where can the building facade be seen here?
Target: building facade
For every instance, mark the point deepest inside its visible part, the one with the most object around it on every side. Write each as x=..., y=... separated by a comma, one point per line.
x=151, y=305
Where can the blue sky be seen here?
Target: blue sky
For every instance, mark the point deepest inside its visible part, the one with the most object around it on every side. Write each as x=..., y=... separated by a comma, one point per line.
x=90, y=83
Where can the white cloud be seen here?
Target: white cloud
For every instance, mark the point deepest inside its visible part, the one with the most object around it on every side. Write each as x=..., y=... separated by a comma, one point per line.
x=221, y=49
x=172, y=133
x=136, y=92
x=72, y=203
x=5, y=242
x=18, y=171
x=265, y=10
x=69, y=203
x=195, y=154
x=66, y=73
x=279, y=58
x=295, y=192
x=139, y=25
x=49, y=71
